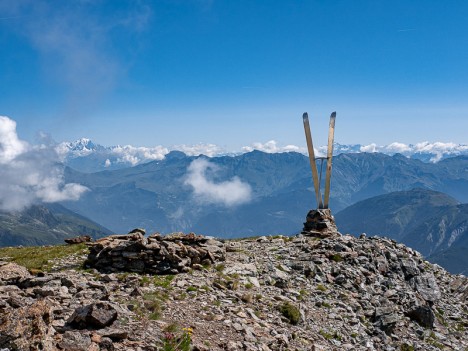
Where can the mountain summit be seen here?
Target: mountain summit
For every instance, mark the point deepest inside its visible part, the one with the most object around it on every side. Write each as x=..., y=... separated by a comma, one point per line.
x=259, y=294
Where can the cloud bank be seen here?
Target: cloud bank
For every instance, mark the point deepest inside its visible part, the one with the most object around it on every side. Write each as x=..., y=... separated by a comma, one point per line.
x=210, y=150
x=272, y=147
x=30, y=174
x=132, y=156
x=228, y=193
x=438, y=149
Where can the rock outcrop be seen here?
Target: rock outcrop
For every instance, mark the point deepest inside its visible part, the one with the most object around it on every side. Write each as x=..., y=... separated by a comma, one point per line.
x=270, y=293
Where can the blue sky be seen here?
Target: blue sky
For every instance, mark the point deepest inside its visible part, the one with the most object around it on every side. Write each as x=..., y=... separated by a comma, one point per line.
x=235, y=72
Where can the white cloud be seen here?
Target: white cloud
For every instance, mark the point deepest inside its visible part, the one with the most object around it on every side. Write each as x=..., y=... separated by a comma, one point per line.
x=397, y=148
x=10, y=145
x=30, y=174
x=229, y=193
x=107, y=163
x=135, y=155
x=438, y=149
x=209, y=150
x=271, y=146
x=369, y=148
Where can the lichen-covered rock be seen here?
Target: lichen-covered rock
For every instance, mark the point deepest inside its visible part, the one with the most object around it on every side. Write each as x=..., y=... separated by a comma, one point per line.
x=27, y=327
x=9, y=270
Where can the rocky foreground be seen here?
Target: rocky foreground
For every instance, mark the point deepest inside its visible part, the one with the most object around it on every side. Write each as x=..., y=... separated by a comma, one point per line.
x=268, y=293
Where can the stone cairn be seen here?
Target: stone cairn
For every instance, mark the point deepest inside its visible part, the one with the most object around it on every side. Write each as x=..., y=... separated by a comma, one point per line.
x=320, y=223
x=156, y=254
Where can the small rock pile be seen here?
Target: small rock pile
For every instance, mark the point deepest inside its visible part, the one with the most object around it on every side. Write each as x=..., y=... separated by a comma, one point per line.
x=320, y=223
x=156, y=254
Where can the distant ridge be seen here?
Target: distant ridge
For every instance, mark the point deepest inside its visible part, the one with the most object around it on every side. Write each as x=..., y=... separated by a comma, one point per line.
x=431, y=222
x=86, y=156
x=45, y=225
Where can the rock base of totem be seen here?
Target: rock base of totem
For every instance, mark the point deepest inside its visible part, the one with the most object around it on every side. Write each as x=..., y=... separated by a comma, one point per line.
x=320, y=223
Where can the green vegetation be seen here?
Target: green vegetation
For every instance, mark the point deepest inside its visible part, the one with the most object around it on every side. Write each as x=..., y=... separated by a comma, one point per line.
x=230, y=282
x=337, y=258
x=150, y=306
x=220, y=267
x=330, y=336
x=144, y=281
x=439, y=313
x=432, y=340
x=177, y=339
x=40, y=258
x=321, y=287
x=406, y=347
x=163, y=281
x=291, y=312
x=247, y=298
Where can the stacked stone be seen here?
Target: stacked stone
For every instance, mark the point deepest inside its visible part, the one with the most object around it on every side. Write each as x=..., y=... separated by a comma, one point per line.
x=320, y=223
x=156, y=254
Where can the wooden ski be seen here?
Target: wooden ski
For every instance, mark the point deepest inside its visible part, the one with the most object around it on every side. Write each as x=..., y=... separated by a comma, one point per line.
x=331, y=133
x=313, y=166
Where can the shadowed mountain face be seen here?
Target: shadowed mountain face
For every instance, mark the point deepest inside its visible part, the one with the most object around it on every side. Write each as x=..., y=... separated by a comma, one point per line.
x=44, y=225
x=431, y=222
x=155, y=195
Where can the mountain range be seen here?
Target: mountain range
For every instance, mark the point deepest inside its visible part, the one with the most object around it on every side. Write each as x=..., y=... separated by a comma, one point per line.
x=156, y=195
x=86, y=156
x=258, y=193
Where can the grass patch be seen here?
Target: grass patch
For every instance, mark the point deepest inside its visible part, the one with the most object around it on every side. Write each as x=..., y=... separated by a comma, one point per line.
x=163, y=281
x=337, y=258
x=330, y=336
x=432, y=340
x=321, y=287
x=291, y=312
x=40, y=257
x=248, y=285
x=220, y=267
x=303, y=294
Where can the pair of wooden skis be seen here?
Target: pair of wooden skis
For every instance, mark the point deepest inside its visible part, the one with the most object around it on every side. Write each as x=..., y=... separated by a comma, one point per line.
x=321, y=203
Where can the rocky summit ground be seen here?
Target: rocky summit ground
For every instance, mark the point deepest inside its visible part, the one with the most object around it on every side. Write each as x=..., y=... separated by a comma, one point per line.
x=270, y=293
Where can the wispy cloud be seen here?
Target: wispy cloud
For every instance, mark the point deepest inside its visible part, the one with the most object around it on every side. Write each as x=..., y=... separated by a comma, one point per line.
x=228, y=193
x=30, y=174
x=75, y=43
